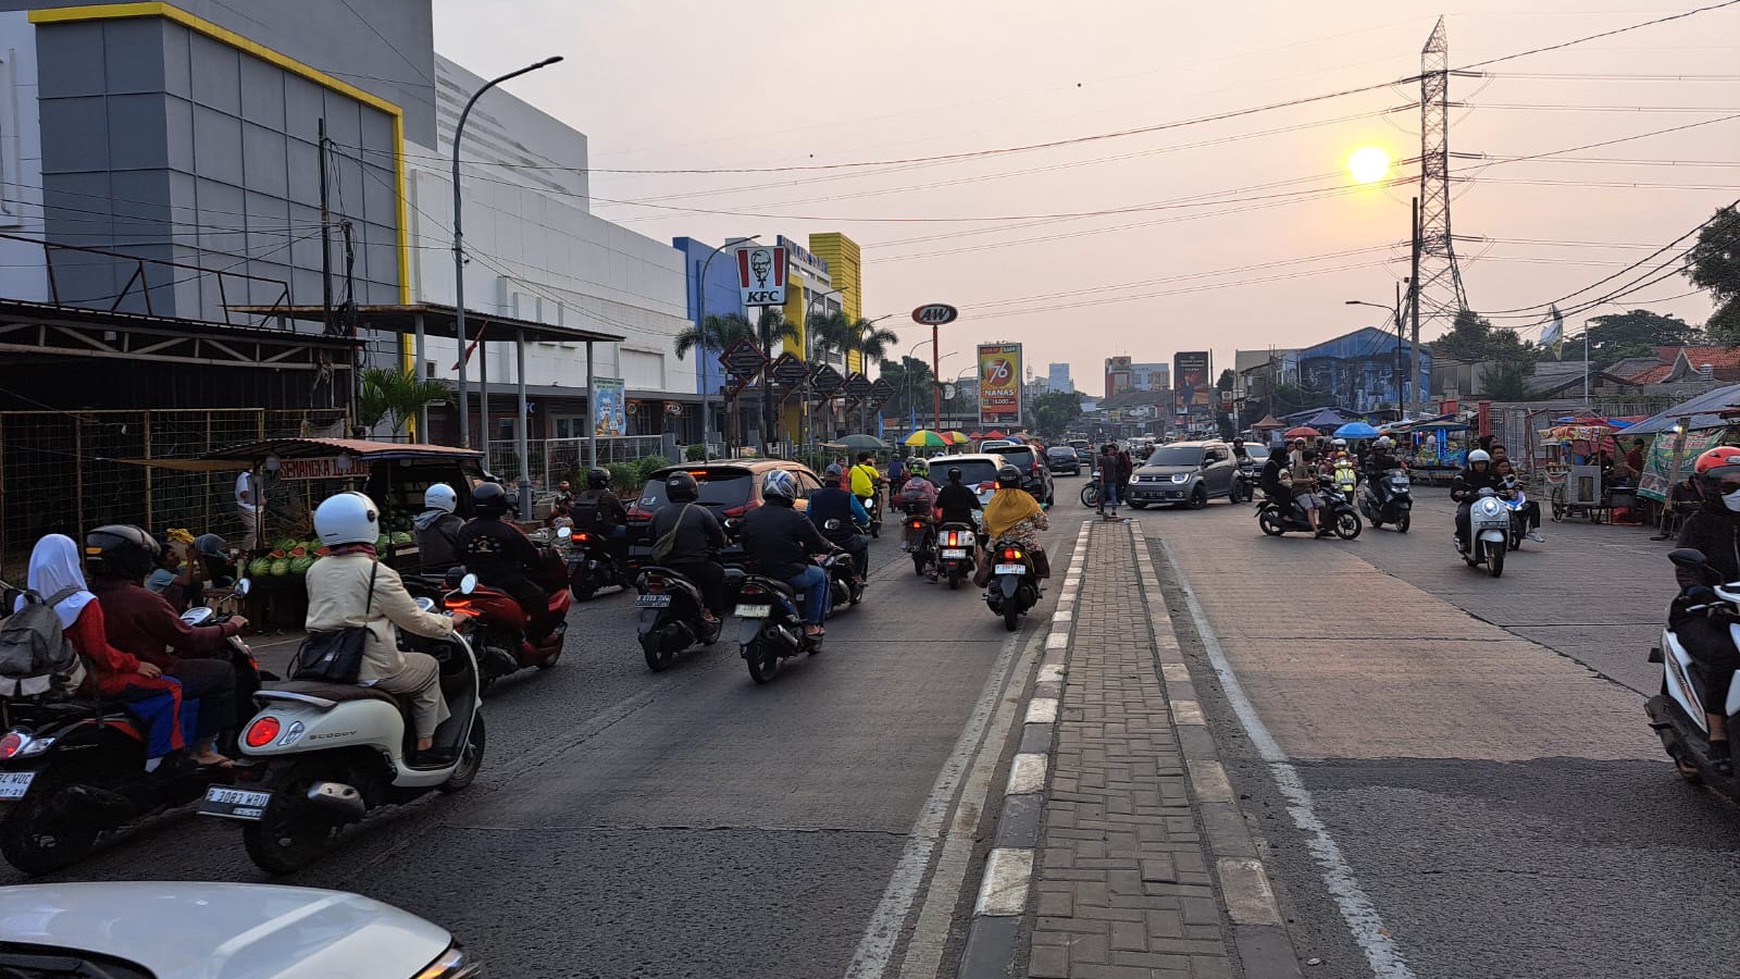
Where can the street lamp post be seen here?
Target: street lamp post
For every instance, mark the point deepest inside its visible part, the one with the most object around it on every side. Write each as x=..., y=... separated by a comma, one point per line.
x=701, y=328
x=1396, y=318
x=808, y=426
x=459, y=285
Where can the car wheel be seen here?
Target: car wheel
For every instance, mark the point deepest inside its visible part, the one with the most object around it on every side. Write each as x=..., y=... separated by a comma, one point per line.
x=1199, y=497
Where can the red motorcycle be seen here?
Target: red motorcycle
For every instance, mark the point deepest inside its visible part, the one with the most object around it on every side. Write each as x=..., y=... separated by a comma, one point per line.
x=497, y=626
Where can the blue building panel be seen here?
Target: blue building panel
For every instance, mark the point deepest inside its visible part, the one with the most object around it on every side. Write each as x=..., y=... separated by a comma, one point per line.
x=722, y=296
x=1360, y=369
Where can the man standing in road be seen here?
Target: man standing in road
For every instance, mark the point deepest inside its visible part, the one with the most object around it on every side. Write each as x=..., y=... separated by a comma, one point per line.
x=1111, y=482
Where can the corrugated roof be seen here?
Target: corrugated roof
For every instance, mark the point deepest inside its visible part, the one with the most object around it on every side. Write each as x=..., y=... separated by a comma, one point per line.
x=1704, y=411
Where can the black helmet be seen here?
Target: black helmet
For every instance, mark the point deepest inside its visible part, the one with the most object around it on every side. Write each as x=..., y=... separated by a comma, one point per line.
x=1008, y=477
x=598, y=477
x=954, y=474
x=489, y=500
x=121, y=551
x=681, y=487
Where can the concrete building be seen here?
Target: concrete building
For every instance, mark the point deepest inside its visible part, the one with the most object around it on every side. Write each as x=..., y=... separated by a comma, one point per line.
x=1151, y=377
x=1058, y=378
x=1118, y=376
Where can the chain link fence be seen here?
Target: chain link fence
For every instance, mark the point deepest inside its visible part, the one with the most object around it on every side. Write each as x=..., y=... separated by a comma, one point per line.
x=66, y=472
x=553, y=460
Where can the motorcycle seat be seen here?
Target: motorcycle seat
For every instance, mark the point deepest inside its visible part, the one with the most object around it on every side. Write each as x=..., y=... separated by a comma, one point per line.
x=334, y=693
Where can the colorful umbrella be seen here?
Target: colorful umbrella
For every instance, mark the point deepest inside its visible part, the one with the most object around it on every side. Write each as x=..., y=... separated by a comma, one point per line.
x=976, y=436
x=926, y=439
x=1303, y=432
x=864, y=443
x=956, y=438
x=1356, y=430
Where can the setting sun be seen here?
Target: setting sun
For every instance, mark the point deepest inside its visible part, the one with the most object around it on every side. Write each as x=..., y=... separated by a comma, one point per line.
x=1369, y=164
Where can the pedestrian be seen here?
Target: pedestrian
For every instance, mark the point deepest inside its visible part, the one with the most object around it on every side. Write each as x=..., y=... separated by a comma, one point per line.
x=250, y=508
x=1126, y=469
x=1634, y=458
x=1110, y=481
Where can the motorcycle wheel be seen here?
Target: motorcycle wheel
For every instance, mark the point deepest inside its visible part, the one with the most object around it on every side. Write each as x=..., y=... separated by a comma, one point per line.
x=954, y=580
x=1402, y=522
x=37, y=837
x=580, y=590
x=1011, y=617
x=763, y=660
x=292, y=833
x=1347, y=525
x=1495, y=560
x=1090, y=495
x=918, y=563
x=1270, y=522
x=470, y=760
x=657, y=657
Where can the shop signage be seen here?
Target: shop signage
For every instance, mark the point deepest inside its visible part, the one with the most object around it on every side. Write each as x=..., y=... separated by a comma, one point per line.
x=329, y=467
x=826, y=381
x=761, y=275
x=857, y=386
x=935, y=314
x=743, y=358
x=788, y=370
x=999, y=384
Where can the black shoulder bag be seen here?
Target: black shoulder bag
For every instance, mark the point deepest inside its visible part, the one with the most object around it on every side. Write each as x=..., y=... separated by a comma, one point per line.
x=335, y=657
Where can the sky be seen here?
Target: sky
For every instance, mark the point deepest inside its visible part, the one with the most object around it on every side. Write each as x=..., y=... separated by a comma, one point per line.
x=1236, y=233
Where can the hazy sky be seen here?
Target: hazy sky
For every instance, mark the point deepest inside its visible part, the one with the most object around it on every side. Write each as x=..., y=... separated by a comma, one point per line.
x=1277, y=236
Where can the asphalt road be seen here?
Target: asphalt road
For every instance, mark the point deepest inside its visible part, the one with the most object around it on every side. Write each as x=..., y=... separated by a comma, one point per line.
x=1481, y=794
x=688, y=823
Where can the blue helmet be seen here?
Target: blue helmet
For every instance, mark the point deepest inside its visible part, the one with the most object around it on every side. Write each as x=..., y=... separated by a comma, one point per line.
x=779, y=485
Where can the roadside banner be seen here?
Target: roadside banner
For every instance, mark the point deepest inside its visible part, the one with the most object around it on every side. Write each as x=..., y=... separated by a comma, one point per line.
x=610, y=401
x=1000, y=384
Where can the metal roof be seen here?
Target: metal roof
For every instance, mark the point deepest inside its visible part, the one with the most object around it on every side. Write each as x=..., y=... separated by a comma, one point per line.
x=441, y=320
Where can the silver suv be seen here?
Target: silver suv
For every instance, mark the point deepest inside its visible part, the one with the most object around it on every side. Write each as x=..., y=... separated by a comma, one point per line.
x=1186, y=474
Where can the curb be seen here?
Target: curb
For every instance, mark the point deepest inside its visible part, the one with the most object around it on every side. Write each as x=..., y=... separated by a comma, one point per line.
x=1257, y=935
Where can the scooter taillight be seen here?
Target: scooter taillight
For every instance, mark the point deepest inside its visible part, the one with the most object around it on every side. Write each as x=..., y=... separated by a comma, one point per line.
x=954, y=538
x=655, y=586
x=752, y=590
x=918, y=525
x=12, y=744
x=261, y=732
x=1012, y=554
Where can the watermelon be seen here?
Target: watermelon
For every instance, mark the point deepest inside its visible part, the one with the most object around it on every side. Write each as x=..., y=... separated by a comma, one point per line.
x=323, y=551
x=383, y=542
x=300, y=565
x=300, y=550
x=285, y=544
x=281, y=566
x=260, y=567
x=402, y=537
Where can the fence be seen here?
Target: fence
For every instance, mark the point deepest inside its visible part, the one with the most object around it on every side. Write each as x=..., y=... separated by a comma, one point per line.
x=553, y=460
x=62, y=472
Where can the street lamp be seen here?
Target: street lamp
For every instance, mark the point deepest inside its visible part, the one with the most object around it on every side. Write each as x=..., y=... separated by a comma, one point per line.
x=1396, y=316
x=459, y=291
x=701, y=328
x=809, y=354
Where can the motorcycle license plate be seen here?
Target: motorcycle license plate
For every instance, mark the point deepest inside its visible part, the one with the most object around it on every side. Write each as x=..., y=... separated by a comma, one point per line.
x=954, y=554
x=1010, y=569
x=652, y=601
x=246, y=804
x=13, y=785
x=753, y=611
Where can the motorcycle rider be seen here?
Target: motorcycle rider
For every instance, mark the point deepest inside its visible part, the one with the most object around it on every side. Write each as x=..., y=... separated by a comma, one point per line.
x=437, y=529
x=851, y=520
x=864, y=478
x=918, y=489
x=778, y=542
x=138, y=621
x=1013, y=514
x=1301, y=480
x=1715, y=530
x=1508, y=487
x=1270, y=480
x=1241, y=455
x=1467, y=485
x=600, y=512
x=695, y=548
x=956, y=502
x=503, y=557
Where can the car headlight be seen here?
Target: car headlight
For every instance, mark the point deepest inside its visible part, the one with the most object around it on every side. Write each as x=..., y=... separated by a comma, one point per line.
x=452, y=964
x=1180, y=477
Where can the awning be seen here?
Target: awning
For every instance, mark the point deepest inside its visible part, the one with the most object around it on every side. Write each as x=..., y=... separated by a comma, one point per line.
x=1705, y=411
x=443, y=321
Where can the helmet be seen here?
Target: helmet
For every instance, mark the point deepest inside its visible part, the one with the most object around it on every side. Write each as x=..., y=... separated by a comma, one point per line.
x=919, y=468
x=598, y=477
x=440, y=497
x=121, y=551
x=1008, y=477
x=347, y=518
x=954, y=474
x=681, y=487
x=489, y=500
x=1385, y=442
x=1478, y=455
x=1718, y=464
x=779, y=486
x=1339, y=443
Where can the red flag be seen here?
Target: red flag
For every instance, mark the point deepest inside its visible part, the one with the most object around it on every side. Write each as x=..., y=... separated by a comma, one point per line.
x=469, y=350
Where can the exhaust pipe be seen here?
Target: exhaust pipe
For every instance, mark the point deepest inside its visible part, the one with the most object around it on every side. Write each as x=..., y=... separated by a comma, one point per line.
x=338, y=798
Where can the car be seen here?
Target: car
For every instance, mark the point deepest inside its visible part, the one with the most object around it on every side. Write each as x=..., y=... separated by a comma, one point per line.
x=729, y=489
x=978, y=472
x=149, y=929
x=1186, y=474
x=991, y=445
x=1063, y=459
x=1029, y=457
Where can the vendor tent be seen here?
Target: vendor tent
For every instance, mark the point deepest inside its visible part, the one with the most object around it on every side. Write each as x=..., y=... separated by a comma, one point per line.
x=1705, y=411
x=1269, y=423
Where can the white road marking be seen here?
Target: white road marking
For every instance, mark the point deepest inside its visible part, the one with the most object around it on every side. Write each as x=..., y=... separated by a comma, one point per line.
x=1004, y=891
x=1026, y=773
x=1062, y=615
x=1245, y=886
x=1357, y=909
x=1057, y=640
x=1042, y=710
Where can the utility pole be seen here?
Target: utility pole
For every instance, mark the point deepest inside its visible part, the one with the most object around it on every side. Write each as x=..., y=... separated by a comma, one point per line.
x=1414, y=306
x=1440, y=283
x=325, y=241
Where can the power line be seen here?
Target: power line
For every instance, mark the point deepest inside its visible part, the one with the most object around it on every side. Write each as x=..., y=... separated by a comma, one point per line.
x=1595, y=37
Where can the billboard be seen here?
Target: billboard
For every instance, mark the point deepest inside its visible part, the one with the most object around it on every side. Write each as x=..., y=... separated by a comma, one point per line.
x=761, y=275
x=610, y=401
x=1000, y=384
x=1191, y=385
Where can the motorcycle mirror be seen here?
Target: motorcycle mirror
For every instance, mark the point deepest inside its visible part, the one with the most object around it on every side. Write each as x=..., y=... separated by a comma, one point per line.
x=243, y=587
x=468, y=584
x=1688, y=557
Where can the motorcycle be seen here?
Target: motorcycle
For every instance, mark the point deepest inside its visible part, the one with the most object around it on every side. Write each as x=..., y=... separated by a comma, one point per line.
x=918, y=538
x=1277, y=517
x=844, y=586
x=1678, y=713
x=1516, y=501
x=497, y=626
x=74, y=771
x=669, y=606
x=1014, y=587
x=956, y=544
x=772, y=628
x=1396, y=509
x=1489, y=523
x=874, y=509
x=327, y=754
x=592, y=565
x=1090, y=491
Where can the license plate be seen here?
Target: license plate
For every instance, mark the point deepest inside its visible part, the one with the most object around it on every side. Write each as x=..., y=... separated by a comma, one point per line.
x=221, y=800
x=954, y=554
x=1010, y=569
x=652, y=601
x=13, y=785
x=753, y=611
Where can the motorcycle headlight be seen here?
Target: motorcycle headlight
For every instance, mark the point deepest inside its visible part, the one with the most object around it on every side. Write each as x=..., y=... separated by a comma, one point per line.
x=453, y=964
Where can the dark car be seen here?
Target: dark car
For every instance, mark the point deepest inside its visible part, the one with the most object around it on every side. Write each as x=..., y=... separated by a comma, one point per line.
x=729, y=489
x=1062, y=459
x=1030, y=459
x=1186, y=474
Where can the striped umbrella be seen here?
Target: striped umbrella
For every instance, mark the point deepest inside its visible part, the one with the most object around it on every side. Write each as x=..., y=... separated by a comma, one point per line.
x=926, y=439
x=956, y=438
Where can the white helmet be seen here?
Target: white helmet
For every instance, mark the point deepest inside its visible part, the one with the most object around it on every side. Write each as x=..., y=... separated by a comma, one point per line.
x=440, y=497
x=347, y=518
x=1339, y=443
x=1385, y=442
x=1478, y=455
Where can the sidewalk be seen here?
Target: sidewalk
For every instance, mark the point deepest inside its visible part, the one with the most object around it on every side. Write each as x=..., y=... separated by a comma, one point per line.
x=1140, y=863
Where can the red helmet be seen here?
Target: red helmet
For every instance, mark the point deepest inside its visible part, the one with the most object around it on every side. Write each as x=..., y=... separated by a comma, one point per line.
x=1717, y=464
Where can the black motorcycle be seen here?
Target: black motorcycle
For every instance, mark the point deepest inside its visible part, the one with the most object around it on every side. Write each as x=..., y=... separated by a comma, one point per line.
x=918, y=538
x=1277, y=517
x=592, y=565
x=845, y=587
x=772, y=626
x=956, y=548
x=72, y=770
x=669, y=606
x=1397, y=503
x=1014, y=584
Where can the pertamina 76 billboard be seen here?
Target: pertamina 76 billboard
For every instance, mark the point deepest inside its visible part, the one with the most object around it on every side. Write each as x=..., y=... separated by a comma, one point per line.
x=1000, y=384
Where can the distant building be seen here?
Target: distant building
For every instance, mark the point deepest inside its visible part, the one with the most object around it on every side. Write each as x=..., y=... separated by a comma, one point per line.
x=1151, y=377
x=1058, y=379
x=1118, y=376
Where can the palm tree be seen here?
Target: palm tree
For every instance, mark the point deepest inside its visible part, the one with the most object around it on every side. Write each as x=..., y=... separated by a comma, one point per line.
x=772, y=329
x=830, y=333
x=395, y=395
x=715, y=334
x=870, y=342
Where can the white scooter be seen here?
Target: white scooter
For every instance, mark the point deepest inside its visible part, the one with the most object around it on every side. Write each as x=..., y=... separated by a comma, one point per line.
x=320, y=756
x=1678, y=713
x=1488, y=531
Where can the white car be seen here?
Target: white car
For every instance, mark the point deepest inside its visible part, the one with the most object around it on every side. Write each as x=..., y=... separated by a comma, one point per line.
x=194, y=930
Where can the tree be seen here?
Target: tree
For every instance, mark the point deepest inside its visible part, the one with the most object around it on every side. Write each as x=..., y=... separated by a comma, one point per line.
x=1616, y=336
x=1056, y=412
x=1714, y=264
x=912, y=383
x=1507, y=380
x=395, y=395
x=716, y=334
x=1227, y=380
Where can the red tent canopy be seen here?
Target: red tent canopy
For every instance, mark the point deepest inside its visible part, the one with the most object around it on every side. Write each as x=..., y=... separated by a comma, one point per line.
x=994, y=434
x=1303, y=432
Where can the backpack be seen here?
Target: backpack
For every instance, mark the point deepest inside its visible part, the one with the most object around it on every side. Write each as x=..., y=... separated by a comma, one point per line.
x=36, y=658
x=667, y=542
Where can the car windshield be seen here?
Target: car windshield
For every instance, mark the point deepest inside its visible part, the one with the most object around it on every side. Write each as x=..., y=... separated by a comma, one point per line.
x=1176, y=455
x=1061, y=452
x=1019, y=455
x=973, y=471
x=1258, y=453
x=727, y=488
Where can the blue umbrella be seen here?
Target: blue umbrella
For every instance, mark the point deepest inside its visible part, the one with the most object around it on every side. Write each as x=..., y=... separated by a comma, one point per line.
x=1356, y=430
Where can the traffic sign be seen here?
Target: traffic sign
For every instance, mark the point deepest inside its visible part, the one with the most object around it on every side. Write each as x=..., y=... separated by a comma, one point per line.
x=881, y=392
x=857, y=386
x=761, y=275
x=743, y=358
x=826, y=381
x=788, y=370
x=935, y=314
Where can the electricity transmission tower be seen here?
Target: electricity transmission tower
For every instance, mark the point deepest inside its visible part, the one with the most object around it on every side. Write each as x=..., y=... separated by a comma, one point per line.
x=1439, y=292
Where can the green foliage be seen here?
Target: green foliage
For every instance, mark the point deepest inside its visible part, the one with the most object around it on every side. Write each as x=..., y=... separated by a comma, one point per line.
x=650, y=464
x=1225, y=423
x=695, y=453
x=625, y=478
x=1226, y=381
x=396, y=396
x=1714, y=264
x=718, y=333
x=912, y=384
x=1056, y=412
x=1616, y=336
x=1508, y=380
x=1473, y=339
